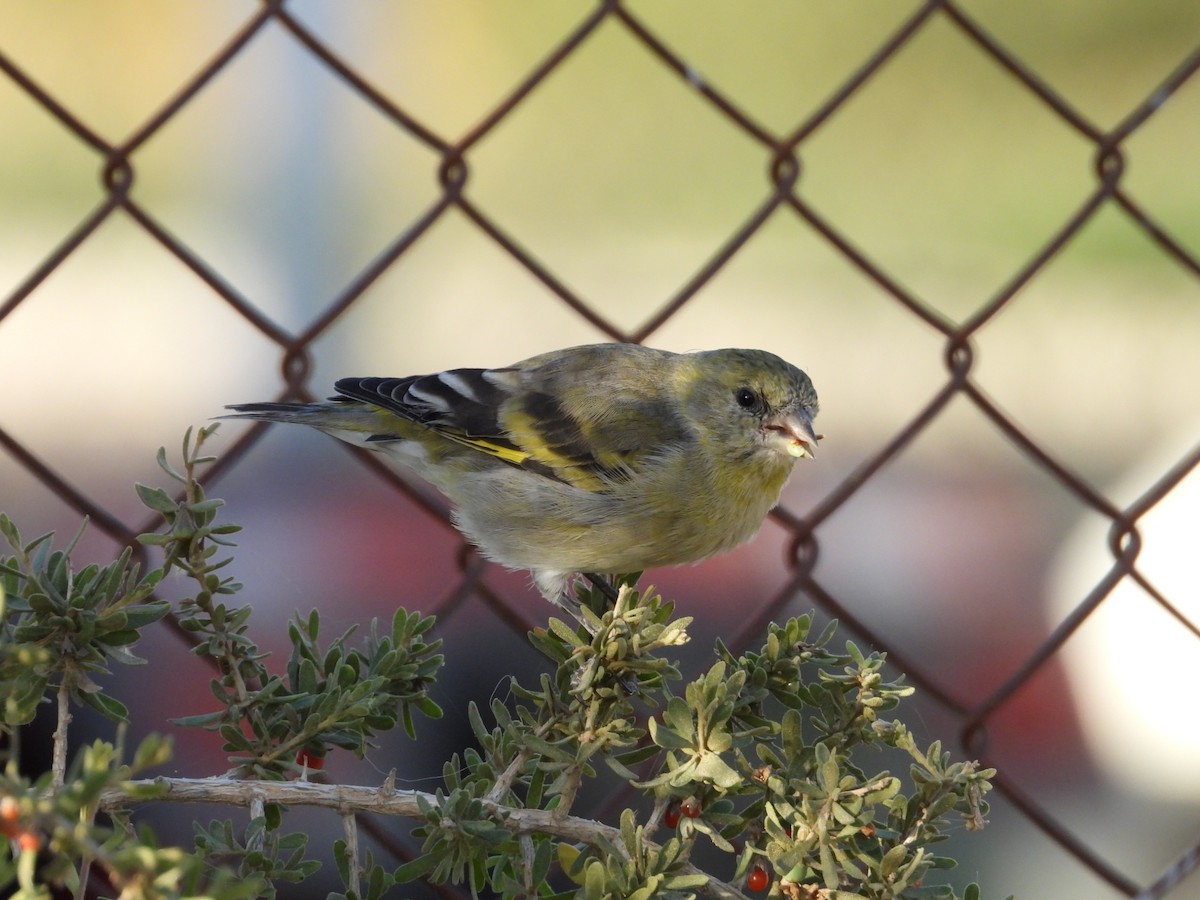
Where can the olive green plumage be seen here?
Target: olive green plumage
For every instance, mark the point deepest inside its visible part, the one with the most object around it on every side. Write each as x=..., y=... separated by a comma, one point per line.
x=604, y=458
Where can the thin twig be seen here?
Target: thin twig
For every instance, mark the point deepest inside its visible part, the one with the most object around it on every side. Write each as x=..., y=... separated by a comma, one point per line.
x=504, y=782
x=258, y=810
x=527, y=864
x=350, y=826
x=58, y=766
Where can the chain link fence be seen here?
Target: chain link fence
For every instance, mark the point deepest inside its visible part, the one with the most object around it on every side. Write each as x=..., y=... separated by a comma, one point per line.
x=981, y=696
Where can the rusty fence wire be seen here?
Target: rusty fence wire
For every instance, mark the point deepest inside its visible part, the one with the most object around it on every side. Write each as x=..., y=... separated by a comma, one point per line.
x=783, y=155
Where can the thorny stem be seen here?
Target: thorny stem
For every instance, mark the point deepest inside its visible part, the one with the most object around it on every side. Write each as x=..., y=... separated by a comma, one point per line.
x=92, y=852
x=656, y=814
x=869, y=787
x=257, y=811
x=508, y=776
x=570, y=789
x=384, y=801
x=189, y=464
x=86, y=859
x=350, y=826
x=198, y=568
x=915, y=831
x=247, y=709
x=527, y=863
x=58, y=765
x=85, y=874
x=590, y=725
x=288, y=746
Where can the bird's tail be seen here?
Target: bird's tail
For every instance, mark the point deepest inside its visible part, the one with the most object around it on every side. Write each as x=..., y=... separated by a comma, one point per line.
x=337, y=416
x=300, y=413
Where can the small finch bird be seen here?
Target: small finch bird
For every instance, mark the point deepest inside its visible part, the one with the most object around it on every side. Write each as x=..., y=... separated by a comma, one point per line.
x=601, y=459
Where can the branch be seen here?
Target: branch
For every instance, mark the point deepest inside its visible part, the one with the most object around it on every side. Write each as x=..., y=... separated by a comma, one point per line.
x=381, y=800
x=58, y=767
x=350, y=826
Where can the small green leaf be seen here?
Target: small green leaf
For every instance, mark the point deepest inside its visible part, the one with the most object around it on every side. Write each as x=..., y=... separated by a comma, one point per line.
x=892, y=860
x=568, y=858
x=678, y=715
x=565, y=632
x=415, y=868
x=593, y=880
x=166, y=466
x=142, y=614
x=156, y=499
x=110, y=707
x=199, y=721
x=665, y=737
x=714, y=769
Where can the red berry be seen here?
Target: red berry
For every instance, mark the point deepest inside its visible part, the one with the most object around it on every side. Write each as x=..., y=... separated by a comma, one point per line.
x=310, y=760
x=27, y=840
x=758, y=879
x=691, y=808
x=10, y=810
x=671, y=816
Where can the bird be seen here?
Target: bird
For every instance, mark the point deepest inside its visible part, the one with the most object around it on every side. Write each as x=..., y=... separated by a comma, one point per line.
x=601, y=459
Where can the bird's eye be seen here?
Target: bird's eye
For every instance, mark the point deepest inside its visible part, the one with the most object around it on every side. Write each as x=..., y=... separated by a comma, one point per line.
x=747, y=399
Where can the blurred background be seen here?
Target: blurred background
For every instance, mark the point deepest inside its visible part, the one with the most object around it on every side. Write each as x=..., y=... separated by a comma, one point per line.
x=203, y=204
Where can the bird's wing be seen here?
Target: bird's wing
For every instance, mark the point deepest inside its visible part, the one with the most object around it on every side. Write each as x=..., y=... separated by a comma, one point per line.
x=578, y=432
x=459, y=404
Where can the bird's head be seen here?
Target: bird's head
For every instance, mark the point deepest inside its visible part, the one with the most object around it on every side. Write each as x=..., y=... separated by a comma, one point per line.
x=754, y=402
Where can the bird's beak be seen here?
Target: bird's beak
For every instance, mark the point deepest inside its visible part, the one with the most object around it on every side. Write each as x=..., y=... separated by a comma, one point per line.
x=792, y=433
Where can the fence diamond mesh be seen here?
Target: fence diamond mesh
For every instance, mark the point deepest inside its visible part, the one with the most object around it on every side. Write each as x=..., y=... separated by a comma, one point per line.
x=467, y=185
